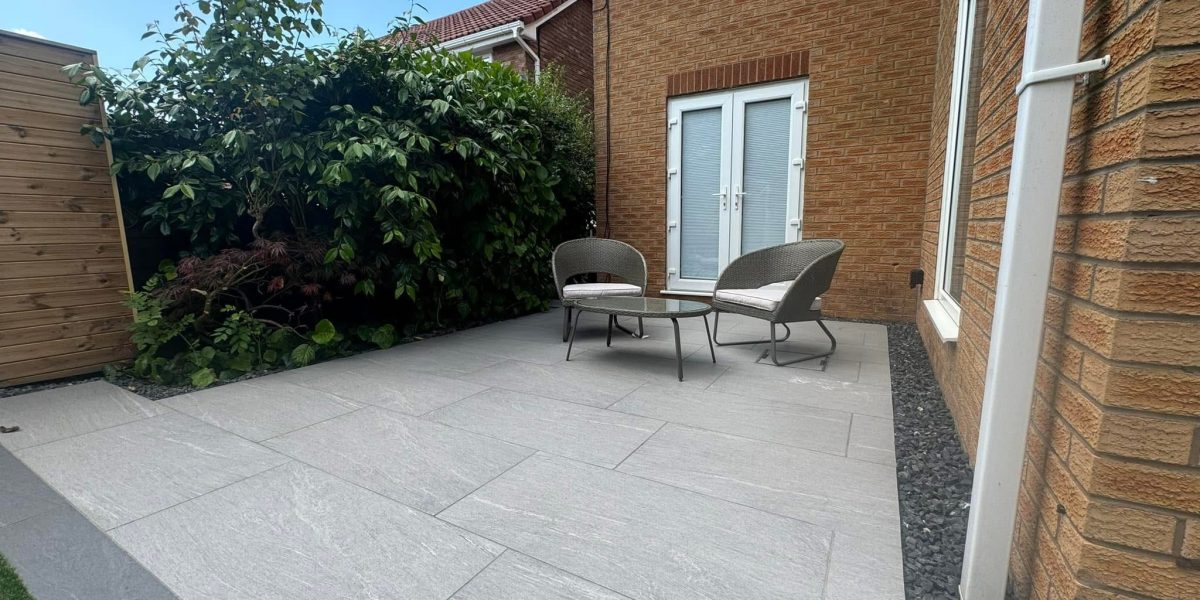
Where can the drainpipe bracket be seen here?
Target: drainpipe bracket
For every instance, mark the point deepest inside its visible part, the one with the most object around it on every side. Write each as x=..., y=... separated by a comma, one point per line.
x=1055, y=73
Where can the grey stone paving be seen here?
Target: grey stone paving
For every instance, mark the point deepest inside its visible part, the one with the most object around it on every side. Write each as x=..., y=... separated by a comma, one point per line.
x=482, y=465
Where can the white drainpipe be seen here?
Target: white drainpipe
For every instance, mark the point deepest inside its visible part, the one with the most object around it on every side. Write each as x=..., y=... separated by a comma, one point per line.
x=1043, y=118
x=537, y=60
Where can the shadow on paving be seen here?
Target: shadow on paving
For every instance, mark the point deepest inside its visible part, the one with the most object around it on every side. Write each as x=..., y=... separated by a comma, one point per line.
x=58, y=553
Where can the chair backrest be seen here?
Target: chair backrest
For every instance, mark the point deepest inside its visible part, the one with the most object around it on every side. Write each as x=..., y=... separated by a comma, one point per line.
x=597, y=255
x=809, y=264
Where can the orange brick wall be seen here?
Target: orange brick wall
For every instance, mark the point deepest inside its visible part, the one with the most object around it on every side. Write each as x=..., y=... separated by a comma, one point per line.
x=871, y=67
x=1110, y=497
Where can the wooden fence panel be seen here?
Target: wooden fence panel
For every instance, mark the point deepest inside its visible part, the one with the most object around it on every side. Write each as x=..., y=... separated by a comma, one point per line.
x=64, y=266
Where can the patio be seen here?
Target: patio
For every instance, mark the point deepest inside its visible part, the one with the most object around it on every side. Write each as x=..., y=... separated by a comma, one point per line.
x=481, y=465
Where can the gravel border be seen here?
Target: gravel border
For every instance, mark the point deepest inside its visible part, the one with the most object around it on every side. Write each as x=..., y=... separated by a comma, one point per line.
x=933, y=473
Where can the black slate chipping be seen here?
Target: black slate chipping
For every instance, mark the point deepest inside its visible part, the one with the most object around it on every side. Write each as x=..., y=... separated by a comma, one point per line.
x=933, y=474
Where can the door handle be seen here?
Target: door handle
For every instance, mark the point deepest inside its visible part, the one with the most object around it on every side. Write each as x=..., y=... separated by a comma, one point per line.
x=724, y=195
x=737, y=196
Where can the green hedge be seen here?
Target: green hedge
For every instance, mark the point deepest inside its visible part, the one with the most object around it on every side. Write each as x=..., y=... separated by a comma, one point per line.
x=366, y=188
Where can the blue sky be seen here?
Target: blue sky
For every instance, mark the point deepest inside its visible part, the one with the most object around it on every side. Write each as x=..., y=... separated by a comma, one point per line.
x=113, y=29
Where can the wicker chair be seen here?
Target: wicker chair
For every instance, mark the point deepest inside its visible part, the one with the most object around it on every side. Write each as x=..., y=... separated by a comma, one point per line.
x=781, y=284
x=597, y=255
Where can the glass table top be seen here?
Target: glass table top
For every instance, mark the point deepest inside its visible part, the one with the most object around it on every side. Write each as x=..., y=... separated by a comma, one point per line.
x=643, y=306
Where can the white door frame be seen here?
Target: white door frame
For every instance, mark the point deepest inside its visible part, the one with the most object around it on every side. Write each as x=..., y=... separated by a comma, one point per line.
x=797, y=93
x=732, y=104
x=675, y=110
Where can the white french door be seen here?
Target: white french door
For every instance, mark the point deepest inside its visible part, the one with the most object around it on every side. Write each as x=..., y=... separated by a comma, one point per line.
x=735, y=178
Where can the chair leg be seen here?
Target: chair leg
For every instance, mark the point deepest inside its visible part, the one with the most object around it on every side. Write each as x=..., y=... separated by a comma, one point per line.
x=574, y=328
x=717, y=323
x=611, y=319
x=823, y=356
x=566, y=322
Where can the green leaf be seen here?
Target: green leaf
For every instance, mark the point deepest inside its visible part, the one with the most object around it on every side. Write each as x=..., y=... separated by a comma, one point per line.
x=187, y=191
x=324, y=332
x=204, y=377
x=303, y=354
x=153, y=170
x=205, y=163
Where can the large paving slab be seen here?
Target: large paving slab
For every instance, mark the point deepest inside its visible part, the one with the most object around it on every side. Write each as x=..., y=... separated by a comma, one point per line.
x=599, y=437
x=835, y=492
x=433, y=356
x=810, y=390
x=123, y=473
x=515, y=576
x=296, y=533
x=573, y=383
x=261, y=409
x=60, y=555
x=759, y=417
x=425, y=465
x=22, y=493
x=862, y=568
x=67, y=411
x=872, y=439
x=644, y=539
x=410, y=392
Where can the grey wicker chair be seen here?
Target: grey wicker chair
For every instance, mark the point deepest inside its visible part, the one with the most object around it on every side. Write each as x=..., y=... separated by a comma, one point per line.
x=781, y=284
x=597, y=255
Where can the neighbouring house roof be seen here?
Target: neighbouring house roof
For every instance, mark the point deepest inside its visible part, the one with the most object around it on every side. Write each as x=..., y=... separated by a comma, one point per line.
x=482, y=17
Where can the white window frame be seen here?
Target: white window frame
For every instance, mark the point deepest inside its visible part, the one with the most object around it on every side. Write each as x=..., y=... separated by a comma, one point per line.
x=732, y=104
x=944, y=309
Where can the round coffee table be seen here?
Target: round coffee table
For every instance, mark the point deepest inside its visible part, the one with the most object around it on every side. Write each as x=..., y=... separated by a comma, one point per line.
x=644, y=308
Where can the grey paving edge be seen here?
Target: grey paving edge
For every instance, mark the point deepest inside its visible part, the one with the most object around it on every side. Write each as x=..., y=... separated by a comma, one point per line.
x=59, y=554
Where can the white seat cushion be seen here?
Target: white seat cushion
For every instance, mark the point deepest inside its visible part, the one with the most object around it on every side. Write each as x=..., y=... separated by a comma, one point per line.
x=596, y=290
x=766, y=297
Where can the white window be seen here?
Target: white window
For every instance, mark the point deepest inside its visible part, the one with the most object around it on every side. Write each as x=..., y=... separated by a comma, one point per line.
x=957, y=178
x=735, y=177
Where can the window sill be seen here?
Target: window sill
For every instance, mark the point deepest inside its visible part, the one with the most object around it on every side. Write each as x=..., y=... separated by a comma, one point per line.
x=686, y=293
x=943, y=323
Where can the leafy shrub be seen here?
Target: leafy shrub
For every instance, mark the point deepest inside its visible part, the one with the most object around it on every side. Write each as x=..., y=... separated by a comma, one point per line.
x=388, y=188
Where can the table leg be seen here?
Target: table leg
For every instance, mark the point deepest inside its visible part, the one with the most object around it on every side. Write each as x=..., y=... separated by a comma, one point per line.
x=710, y=345
x=574, y=328
x=678, y=349
x=611, y=319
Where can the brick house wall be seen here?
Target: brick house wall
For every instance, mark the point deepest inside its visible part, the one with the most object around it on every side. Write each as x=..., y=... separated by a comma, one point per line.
x=566, y=42
x=513, y=55
x=870, y=66
x=1110, y=496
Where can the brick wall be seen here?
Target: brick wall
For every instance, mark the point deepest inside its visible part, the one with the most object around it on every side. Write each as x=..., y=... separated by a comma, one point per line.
x=1110, y=496
x=513, y=55
x=566, y=41
x=871, y=67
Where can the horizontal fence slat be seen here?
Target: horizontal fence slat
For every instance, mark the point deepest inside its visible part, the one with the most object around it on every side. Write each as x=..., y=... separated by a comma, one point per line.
x=16, y=119
x=83, y=343
x=44, y=170
x=47, y=104
x=92, y=157
x=62, y=283
x=26, y=302
x=31, y=252
x=58, y=331
x=70, y=204
x=30, y=186
x=42, y=87
x=57, y=219
x=32, y=137
x=28, y=67
x=37, y=50
x=53, y=268
x=52, y=235
x=51, y=316
x=65, y=365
